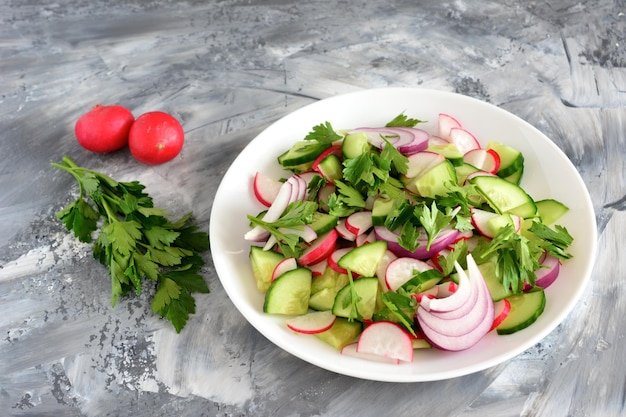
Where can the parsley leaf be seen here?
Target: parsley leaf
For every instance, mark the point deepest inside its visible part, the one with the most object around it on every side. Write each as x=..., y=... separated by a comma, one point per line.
x=136, y=242
x=402, y=120
x=433, y=220
x=323, y=133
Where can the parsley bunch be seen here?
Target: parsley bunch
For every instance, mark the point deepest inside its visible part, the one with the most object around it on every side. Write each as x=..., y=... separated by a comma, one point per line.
x=137, y=242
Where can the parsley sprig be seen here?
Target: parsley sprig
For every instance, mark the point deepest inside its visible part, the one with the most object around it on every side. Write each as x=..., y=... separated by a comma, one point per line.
x=136, y=242
x=286, y=229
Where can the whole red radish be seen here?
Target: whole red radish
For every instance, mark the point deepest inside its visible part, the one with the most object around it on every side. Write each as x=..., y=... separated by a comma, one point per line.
x=155, y=137
x=104, y=128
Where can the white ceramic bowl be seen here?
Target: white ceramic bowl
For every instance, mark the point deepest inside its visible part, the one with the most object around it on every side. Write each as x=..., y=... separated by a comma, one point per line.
x=548, y=174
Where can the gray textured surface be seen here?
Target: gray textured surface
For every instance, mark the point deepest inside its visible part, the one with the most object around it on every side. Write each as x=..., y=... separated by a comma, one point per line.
x=227, y=69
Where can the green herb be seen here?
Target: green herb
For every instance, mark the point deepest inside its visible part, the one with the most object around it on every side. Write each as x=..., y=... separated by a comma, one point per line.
x=433, y=220
x=398, y=161
x=323, y=133
x=345, y=200
x=286, y=229
x=137, y=242
x=516, y=257
x=353, y=300
x=554, y=241
x=402, y=120
x=402, y=307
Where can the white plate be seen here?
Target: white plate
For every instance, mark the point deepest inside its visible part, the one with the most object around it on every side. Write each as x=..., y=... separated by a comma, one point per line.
x=548, y=174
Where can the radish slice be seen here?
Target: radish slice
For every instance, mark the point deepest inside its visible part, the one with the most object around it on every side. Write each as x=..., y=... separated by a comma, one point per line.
x=386, y=339
x=333, y=150
x=501, y=310
x=305, y=232
x=388, y=257
x=488, y=223
x=287, y=264
x=320, y=249
x=484, y=159
x=359, y=222
x=312, y=323
x=318, y=268
x=463, y=140
x=420, y=162
x=343, y=230
x=446, y=123
x=280, y=203
x=351, y=350
x=265, y=188
x=401, y=270
x=334, y=258
x=437, y=140
x=363, y=238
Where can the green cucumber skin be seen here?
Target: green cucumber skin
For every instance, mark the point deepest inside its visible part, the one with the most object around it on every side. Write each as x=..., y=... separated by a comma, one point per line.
x=525, y=310
x=289, y=294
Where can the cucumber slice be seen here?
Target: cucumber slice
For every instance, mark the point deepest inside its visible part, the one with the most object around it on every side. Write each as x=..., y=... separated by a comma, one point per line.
x=496, y=289
x=323, y=222
x=505, y=197
x=354, y=144
x=366, y=289
x=324, y=289
x=381, y=208
x=289, y=293
x=463, y=170
x=525, y=309
x=423, y=281
x=331, y=168
x=436, y=181
x=550, y=210
x=511, y=160
x=364, y=259
x=450, y=152
x=342, y=333
x=302, y=152
x=263, y=263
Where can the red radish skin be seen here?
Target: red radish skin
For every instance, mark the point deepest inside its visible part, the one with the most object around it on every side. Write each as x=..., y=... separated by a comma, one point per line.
x=334, y=258
x=344, y=232
x=265, y=188
x=333, y=150
x=484, y=159
x=401, y=270
x=104, y=128
x=290, y=191
x=287, y=264
x=463, y=140
x=312, y=323
x=359, y=222
x=502, y=308
x=320, y=250
x=386, y=339
x=446, y=123
x=155, y=138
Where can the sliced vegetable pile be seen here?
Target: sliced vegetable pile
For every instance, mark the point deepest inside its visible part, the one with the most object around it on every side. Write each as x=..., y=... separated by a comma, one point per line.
x=136, y=242
x=386, y=239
